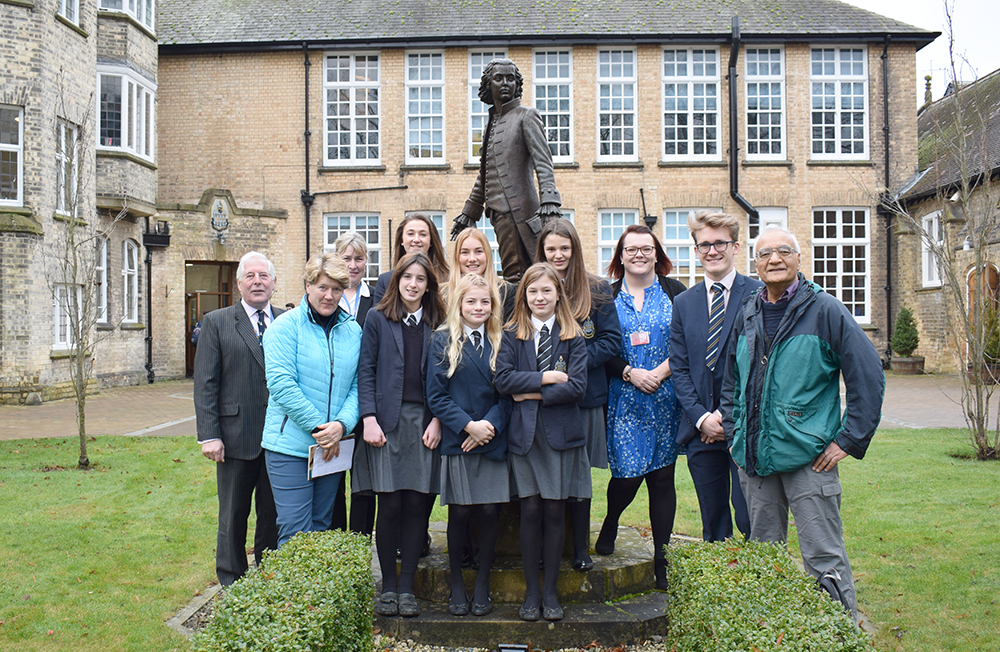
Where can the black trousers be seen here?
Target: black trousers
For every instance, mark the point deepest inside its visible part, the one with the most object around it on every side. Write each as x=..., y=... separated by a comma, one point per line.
x=241, y=482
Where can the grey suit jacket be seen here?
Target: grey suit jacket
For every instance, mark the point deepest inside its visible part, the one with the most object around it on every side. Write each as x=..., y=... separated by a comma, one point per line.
x=230, y=388
x=517, y=148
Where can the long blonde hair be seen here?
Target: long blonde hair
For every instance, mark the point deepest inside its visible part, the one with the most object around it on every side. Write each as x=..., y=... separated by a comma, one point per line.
x=456, y=327
x=490, y=274
x=568, y=326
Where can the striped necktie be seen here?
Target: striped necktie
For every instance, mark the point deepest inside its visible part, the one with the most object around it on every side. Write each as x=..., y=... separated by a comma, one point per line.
x=411, y=321
x=715, y=318
x=261, y=326
x=477, y=341
x=544, y=349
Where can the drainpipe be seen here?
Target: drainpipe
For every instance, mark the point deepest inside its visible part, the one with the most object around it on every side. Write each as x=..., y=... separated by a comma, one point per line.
x=883, y=205
x=307, y=199
x=734, y=163
x=150, y=374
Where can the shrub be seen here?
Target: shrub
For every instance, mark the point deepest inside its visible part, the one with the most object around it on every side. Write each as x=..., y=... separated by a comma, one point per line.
x=752, y=596
x=313, y=594
x=905, y=338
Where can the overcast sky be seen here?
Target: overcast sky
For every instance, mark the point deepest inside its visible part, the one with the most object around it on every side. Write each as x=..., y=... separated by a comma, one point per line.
x=976, y=24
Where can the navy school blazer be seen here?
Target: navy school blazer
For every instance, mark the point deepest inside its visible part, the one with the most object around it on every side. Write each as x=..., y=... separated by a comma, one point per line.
x=602, y=332
x=469, y=395
x=517, y=374
x=380, y=370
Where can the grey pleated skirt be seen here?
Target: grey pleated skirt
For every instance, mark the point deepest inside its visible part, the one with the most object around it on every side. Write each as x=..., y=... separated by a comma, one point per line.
x=404, y=462
x=552, y=474
x=361, y=475
x=596, y=427
x=474, y=479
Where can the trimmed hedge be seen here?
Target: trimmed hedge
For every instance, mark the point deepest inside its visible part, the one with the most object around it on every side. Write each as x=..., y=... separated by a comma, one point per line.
x=313, y=594
x=737, y=595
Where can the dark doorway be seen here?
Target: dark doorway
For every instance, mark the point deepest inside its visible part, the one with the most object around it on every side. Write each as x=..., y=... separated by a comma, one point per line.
x=208, y=286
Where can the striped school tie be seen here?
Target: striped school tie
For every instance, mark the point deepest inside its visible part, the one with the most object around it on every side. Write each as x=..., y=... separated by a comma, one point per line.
x=477, y=341
x=715, y=318
x=544, y=349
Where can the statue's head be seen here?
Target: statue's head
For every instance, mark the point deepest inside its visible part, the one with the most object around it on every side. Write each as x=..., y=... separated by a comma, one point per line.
x=486, y=91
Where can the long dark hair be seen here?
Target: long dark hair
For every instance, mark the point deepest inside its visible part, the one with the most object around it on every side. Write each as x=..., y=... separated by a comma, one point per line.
x=392, y=305
x=436, y=251
x=616, y=269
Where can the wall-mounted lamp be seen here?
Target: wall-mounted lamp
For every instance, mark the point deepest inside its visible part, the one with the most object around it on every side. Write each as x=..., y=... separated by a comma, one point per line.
x=967, y=245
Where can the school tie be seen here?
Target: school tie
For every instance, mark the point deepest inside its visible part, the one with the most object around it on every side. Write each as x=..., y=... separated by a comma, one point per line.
x=544, y=349
x=477, y=341
x=411, y=321
x=261, y=327
x=715, y=318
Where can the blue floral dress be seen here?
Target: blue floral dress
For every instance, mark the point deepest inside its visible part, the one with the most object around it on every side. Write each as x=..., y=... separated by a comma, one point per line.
x=642, y=427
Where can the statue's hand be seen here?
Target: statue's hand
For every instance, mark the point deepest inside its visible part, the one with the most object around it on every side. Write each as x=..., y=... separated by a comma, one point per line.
x=462, y=222
x=548, y=212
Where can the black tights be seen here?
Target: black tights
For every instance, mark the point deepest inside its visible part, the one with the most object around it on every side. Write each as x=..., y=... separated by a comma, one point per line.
x=401, y=525
x=458, y=529
x=662, y=503
x=542, y=525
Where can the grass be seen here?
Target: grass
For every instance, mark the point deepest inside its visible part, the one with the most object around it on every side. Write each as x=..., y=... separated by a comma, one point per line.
x=101, y=559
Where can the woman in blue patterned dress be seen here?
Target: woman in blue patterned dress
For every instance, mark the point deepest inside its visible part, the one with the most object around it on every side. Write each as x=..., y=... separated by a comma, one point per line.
x=643, y=413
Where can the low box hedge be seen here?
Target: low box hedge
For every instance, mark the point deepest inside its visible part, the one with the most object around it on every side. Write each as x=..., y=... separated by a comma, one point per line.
x=752, y=596
x=313, y=594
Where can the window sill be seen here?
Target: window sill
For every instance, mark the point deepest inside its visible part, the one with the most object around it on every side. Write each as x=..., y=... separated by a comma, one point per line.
x=568, y=165
x=332, y=169
x=869, y=328
x=64, y=217
x=132, y=326
x=73, y=26
x=839, y=163
x=65, y=354
x=637, y=165
x=111, y=153
x=16, y=219
x=105, y=326
x=438, y=167
x=767, y=164
x=123, y=16
x=18, y=3
x=692, y=164
x=928, y=288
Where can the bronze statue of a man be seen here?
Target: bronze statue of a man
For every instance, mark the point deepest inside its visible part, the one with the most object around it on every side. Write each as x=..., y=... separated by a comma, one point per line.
x=514, y=144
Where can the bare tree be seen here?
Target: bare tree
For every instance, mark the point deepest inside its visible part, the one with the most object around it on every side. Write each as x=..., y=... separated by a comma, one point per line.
x=964, y=167
x=74, y=252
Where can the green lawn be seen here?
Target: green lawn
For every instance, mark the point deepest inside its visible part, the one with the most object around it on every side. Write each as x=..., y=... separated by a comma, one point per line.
x=102, y=559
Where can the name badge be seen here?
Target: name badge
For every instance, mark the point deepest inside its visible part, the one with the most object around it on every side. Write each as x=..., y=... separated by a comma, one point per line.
x=640, y=338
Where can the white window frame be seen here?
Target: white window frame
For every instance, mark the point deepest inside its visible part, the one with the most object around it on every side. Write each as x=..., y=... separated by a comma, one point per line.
x=931, y=236
x=368, y=225
x=62, y=327
x=101, y=280
x=439, y=218
x=617, y=88
x=690, y=85
x=434, y=86
x=618, y=219
x=769, y=216
x=823, y=235
x=67, y=151
x=767, y=76
x=679, y=245
x=143, y=11
x=130, y=282
x=359, y=87
x=18, y=150
x=479, y=112
x=556, y=77
x=835, y=77
x=137, y=131
x=69, y=9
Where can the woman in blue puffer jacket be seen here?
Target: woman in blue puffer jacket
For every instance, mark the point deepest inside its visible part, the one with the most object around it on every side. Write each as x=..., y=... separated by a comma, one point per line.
x=311, y=357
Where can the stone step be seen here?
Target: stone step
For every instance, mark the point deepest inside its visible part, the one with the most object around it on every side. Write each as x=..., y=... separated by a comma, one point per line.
x=627, y=622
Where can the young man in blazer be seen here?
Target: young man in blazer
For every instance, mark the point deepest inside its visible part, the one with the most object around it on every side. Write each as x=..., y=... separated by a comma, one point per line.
x=699, y=336
x=230, y=399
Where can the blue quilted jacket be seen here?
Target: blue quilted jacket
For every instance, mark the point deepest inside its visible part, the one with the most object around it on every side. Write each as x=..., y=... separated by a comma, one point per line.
x=311, y=378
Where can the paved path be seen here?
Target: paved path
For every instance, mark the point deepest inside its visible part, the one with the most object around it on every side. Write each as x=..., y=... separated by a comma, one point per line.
x=167, y=408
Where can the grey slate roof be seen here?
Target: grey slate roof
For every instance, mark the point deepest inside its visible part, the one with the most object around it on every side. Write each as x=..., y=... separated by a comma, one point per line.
x=976, y=108
x=258, y=24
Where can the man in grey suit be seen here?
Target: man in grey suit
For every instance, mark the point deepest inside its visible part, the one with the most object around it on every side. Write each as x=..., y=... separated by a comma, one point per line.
x=514, y=146
x=230, y=399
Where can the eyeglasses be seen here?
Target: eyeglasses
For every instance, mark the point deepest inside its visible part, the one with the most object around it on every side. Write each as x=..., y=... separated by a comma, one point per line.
x=632, y=251
x=718, y=245
x=784, y=252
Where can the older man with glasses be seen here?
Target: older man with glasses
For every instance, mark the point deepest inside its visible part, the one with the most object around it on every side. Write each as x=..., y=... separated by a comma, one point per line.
x=781, y=409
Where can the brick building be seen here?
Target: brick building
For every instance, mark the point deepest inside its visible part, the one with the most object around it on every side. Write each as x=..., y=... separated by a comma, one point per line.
x=77, y=142
x=952, y=200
